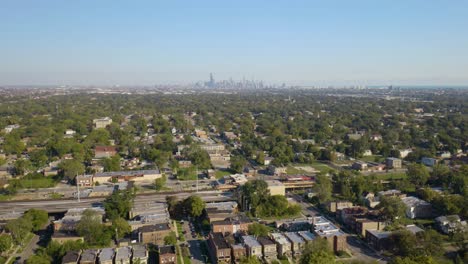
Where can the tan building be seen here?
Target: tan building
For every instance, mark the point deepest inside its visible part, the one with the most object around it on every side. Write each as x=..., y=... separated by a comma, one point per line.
x=393, y=163
x=84, y=180
x=238, y=251
x=338, y=205
x=276, y=187
x=101, y=152
x=153, y=233
x=61, y=238
x=102, y=122
x=363, y=224
x=120, y=176
x=268, y=248
x=230, y=226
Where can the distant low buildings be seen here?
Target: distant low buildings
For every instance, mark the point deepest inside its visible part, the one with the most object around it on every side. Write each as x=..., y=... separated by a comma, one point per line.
x=417, y=208
x=450, y=223
x=84, y=180
x=393, y=163
x=338, y=205
x=101, y=152
x=431, y=162
x=359, y=165
x=231, y=226
x=119, y=176
x=10, y=128
x=102, y=122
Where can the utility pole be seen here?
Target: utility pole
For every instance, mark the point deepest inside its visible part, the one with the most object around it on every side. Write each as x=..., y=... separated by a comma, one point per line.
x=196, y=173
x=77, y=188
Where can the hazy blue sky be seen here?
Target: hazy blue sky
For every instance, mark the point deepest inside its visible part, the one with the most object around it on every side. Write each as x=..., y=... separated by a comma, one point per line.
x=297, y=42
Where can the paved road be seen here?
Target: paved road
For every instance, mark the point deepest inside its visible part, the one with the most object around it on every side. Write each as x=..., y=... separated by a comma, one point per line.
x=194, y=243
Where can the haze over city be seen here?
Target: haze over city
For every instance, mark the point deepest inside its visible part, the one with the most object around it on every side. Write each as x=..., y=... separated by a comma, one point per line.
x=233, y=132
x=179, y=42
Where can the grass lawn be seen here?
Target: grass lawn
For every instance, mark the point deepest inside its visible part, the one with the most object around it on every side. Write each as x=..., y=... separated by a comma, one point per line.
x=292, y=170
x=179, y=255
x=179, y=231
x=25, y=183
x=322, y=167
x=5, y=197
x=186, y=174
x=282, y=217
x=391, y=176
x=221, y=173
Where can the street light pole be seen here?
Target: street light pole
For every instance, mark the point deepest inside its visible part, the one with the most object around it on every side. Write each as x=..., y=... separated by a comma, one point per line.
x=77, y=188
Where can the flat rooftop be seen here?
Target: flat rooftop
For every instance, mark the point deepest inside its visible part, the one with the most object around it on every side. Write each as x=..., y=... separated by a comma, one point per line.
x=250, y=241
x=294, y=237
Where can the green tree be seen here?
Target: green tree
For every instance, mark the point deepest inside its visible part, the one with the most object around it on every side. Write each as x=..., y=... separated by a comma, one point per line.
x=250, y=260
x=38, y=259
x=257, y=229
x=199, y=157
x=120, y=227
x=119, y=204
x=92, y=229
x=418, y=174
x=170, y=239
x=253, y=194
x=38, y=158
x=414, y=260
x=112, y=164
x=160, y=182
x=37, y=217
x=392, y=209
x=22, y=166
x=260, y=159
x=5, y=243
x=19, y=229
x=195, y=205
x=323, y=188
x=13, y=144
x=317, y=252
x=237, y=163
x=405, y=243
x=71, y=168
x=430, y=240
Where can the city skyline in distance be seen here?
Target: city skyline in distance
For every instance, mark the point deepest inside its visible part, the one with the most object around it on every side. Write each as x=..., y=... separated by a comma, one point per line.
x=301, y=43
